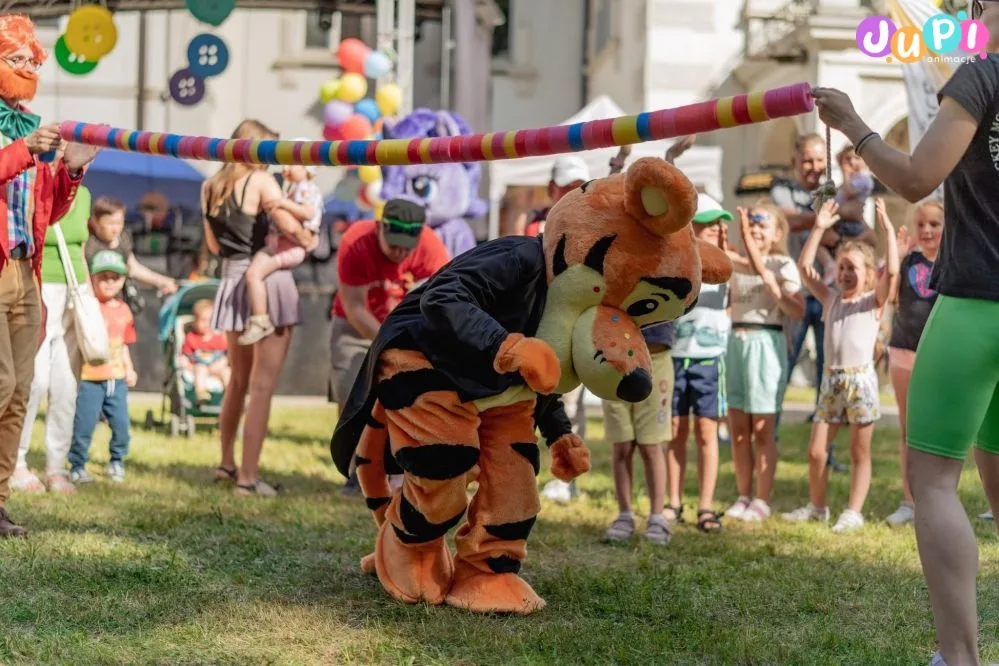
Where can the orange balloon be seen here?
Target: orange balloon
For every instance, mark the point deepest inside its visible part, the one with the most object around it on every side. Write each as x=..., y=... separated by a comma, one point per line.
x=352, y=53
x=379, y=124
x=356, y=128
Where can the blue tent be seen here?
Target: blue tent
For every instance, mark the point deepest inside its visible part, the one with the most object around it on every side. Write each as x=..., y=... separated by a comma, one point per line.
x=128, y=176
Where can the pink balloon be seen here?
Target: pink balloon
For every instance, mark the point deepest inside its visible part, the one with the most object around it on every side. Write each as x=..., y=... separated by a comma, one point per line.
x=336, y=113
x=332, y=133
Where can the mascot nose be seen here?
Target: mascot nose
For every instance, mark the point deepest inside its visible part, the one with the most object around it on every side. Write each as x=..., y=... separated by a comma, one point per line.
x=636, y=386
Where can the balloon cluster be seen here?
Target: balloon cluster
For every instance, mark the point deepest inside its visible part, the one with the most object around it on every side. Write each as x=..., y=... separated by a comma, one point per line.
x=90, y=35
x=350, y=115
x=207, y=54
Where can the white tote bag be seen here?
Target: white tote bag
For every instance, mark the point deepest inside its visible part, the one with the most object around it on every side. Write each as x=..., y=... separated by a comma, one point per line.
x=91, y=331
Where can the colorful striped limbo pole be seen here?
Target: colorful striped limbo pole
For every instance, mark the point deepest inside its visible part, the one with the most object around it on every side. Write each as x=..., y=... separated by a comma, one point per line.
x=649, y=126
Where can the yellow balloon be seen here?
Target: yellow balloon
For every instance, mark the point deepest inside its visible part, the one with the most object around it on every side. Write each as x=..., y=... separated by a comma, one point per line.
x=327, y=91
x=353, y=87
x=369, y=173
x=389, y=98
x=91, y=32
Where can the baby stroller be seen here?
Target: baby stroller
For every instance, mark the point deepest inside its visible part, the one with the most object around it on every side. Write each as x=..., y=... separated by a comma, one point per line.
x=176, y=316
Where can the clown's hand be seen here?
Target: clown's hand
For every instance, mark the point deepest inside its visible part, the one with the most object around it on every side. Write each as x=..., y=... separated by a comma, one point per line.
x=533, y=359
x=570, y=457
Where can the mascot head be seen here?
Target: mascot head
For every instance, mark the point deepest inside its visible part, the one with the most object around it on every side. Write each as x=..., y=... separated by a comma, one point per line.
x=21, y=54
x=447, y=191
x=621, y=256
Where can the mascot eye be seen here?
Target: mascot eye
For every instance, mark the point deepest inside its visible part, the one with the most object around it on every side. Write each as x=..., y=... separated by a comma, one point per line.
x=424, y=187
x=643, y=307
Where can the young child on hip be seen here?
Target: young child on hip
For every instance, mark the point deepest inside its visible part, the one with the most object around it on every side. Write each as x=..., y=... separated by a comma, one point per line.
x=849, y=395
x=204, y=352
x=914, y=301
x=304, y=200
x=645, y=426
x=104, y=388
x=699, y=380
x=765, y=291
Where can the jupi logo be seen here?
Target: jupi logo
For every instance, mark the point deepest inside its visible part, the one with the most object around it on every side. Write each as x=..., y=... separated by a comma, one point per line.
x=879, y=37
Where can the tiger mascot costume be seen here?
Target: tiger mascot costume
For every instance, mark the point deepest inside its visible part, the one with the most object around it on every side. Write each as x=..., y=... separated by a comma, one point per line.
x=468, y=364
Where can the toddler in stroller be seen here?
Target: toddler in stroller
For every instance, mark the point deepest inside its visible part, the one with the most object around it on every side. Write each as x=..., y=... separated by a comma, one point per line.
x=203, y=353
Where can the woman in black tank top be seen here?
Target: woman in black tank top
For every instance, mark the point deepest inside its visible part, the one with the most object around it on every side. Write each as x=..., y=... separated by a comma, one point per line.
x=236, y=227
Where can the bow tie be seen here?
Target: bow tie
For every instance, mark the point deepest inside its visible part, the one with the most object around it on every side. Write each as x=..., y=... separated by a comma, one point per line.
x=16, y=124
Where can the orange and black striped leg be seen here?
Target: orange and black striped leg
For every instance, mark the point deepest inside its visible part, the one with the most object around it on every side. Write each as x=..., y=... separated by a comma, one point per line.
x=434, y=440
x=493, y=544
x=370, y=462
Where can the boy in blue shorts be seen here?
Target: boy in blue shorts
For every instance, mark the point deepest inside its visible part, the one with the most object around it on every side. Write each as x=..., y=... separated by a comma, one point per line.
x=699, y=379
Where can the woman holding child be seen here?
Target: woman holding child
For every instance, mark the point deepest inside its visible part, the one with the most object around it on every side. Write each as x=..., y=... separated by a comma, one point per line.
x=236, y=201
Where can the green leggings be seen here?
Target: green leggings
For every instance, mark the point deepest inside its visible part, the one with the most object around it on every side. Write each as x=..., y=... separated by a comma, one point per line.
x=954, y=390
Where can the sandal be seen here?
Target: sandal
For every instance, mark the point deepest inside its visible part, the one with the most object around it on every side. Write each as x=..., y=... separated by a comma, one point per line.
x=25, y=481
x=60, y=483
x=674, y=514
x=225, y=474
x=709, y=521
x=258, y=488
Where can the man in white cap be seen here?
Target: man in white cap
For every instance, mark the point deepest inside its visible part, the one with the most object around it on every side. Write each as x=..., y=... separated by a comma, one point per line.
x=568, y=173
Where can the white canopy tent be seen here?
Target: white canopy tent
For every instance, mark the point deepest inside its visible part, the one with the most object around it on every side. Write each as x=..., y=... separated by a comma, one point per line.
x=702, y=164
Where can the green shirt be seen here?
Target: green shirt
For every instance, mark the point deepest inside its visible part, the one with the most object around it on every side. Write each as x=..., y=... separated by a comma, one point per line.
x=74, y=228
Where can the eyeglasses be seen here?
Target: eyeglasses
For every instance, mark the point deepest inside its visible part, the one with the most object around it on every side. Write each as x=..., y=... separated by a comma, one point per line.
x=23, y=62
x=978, y=6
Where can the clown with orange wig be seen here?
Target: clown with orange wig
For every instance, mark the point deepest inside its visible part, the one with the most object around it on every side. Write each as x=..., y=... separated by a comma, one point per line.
x=33, y=195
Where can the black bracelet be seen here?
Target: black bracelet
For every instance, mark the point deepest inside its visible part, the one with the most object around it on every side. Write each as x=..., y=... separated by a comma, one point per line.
x=860, y=144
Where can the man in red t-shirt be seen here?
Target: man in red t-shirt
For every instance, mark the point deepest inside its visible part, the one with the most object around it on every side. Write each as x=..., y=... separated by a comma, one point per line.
x=378, y=263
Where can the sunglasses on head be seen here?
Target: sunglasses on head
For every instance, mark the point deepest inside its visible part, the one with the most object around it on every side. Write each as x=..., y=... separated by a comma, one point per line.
x=759, y=218
x=400, y=227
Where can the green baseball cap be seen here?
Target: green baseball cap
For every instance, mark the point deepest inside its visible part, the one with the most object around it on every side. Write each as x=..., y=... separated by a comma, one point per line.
x=709, y=210
x=108, y=260
x=403, y=222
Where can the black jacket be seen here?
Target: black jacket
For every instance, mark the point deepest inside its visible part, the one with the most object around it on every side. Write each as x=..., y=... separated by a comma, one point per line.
x=458, y=320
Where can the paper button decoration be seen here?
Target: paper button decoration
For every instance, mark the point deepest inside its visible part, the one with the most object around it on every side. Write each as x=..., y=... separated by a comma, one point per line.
x=212, y=12
x=91, y=32
x=207, y=56
x=72, y=62
x=186, y=88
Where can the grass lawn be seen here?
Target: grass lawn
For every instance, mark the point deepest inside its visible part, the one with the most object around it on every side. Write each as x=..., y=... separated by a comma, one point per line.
x=172, y=569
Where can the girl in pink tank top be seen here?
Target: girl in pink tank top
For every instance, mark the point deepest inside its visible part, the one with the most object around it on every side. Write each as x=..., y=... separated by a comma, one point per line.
x=849, y=392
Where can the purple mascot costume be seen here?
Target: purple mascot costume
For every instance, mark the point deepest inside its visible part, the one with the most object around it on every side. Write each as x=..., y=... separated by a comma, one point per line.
x=448, y=191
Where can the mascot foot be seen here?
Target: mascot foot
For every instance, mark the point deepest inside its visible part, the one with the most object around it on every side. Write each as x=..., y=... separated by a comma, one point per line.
x=368, y=565
x=412, y=574
x=481, y=592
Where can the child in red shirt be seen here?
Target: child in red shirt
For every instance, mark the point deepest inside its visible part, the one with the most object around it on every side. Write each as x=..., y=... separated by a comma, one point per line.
x=204, y=351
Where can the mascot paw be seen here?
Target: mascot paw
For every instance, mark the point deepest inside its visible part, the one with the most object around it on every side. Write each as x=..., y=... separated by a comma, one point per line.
x=368, y=565
x=480, y=592
x=413, y=573
x=533, y=358
x=570, y=457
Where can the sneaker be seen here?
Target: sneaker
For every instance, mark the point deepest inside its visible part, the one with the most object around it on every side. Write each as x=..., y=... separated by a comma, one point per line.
x=757, y=511
x=657, y=531
x=260, y=327
x=557, y=491
x=25, y=481
x=116, y=471
x=808, y=512
x=986, y=516
x=738, y=510
x=903, y=515
x=849, y=521
x=622, y=528
x=80, y=475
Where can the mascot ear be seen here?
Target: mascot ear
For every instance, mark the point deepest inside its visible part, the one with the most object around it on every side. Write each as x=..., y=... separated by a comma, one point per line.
x=659, y=196
x=716, y=267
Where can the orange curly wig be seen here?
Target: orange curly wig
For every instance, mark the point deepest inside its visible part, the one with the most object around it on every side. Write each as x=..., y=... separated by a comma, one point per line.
x=17, y=30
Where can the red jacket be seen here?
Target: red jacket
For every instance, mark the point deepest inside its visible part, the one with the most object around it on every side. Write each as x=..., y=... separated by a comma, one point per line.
x=54, y=194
